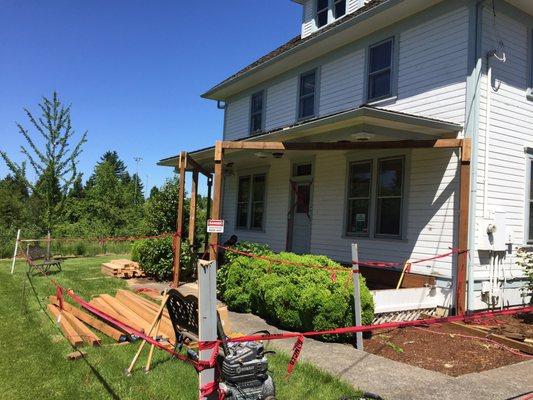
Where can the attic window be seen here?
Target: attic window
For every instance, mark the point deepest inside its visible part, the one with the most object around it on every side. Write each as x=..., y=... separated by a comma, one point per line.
x=339, y=8
x=322, y=8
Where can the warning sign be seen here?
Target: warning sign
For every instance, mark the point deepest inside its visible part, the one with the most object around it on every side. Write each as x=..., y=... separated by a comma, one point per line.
x=215, y=226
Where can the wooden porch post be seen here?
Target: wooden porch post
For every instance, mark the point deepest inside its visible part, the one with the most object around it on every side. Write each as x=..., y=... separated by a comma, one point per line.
x=208, y=209
x=192, y=209
x=464, y=200
x=179, y=222
x=217, y=197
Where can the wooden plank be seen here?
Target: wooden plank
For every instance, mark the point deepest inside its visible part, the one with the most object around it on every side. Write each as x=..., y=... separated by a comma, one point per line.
x=217, y=197
x=106, y=307
x=462, y=234
x=191, y=162
x=192, y=209
x=145, y=302
x=165, y=328
x=392, y=144
x=90, y=320
x=75, y=355
x=67, y=329
x=85, y=333
x=472, y=330
x=179, y=222
x=131, y=317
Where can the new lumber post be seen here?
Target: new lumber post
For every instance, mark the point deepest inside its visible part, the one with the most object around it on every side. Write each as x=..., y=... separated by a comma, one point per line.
x=15, y=252
x=192, y=210
x=180, y=220
x=207, y=318
x=462, y=242
x=217, y=197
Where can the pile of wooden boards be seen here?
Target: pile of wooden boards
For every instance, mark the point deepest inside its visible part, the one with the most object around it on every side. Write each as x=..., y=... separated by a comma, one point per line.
x=122, y=269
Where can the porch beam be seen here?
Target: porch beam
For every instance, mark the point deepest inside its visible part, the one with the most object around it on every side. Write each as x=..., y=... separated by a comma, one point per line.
x=192, y=209
x=462, y=235
x=392, y=144
x=197, y=167
x=180, y=220
x=217, y=197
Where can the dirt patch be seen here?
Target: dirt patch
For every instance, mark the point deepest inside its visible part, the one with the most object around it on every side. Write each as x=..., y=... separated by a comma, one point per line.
x=440, y=348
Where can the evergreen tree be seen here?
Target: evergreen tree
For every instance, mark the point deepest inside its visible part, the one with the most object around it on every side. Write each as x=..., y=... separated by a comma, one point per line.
x=54, y=164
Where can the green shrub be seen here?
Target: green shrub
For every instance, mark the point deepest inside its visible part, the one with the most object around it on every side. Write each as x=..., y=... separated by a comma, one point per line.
x=155, y=257
x=294, y=297
x=524, y=258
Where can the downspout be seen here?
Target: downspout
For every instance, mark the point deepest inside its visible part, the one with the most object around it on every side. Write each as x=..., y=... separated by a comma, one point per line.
x=473, y=127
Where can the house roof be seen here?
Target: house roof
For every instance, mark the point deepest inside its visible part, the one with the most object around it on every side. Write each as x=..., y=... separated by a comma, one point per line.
x=292, y=44
x=366, y=118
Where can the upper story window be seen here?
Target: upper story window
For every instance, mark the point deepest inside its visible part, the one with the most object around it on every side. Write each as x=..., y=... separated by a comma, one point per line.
x=322, y=10
x=339, y=8
x=306, y=105
x=256, y=114
x=380, y=70
x=251, y=202
x=323, y=7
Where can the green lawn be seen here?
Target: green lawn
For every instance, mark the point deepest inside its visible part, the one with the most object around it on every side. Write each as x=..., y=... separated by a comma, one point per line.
x=32, y=350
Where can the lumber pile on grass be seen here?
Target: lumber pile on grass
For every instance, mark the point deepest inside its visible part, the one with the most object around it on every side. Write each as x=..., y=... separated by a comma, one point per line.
x=122, y=269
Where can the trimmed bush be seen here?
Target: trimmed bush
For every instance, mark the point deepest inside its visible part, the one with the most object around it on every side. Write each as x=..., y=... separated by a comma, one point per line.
x=296, y=298
x=155, y=257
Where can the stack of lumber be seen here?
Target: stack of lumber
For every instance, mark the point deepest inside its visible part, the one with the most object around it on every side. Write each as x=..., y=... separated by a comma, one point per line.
x=122, y=269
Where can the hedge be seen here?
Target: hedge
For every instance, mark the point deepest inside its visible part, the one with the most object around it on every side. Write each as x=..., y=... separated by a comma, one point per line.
x=292, y=297
x=155, y=257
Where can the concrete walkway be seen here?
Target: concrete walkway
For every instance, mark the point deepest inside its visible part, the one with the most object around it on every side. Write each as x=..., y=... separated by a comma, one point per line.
x=394, y=380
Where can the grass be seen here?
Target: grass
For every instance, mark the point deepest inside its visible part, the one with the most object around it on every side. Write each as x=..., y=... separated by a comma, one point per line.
x=32, y=350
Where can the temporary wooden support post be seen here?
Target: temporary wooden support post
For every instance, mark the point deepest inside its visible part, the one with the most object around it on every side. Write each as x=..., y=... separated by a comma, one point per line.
x=207, y=317
x=208, y=208
x=464, y=189
x=192, y=209
x=217, y=196
x=180, y=220
x=15, y=252
x=462, y=239
x=357, y=296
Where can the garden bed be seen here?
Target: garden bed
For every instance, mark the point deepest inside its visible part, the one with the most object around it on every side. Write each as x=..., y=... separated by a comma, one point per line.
x=440, y=348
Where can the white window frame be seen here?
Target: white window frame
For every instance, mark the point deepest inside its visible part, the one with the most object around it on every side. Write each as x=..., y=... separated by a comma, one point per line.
x=330, y=12
x=334, y=6
x=528, y=199
x=390, y=68
x=261, y=112
x=250, y=206
x=314, y=94
x=373, y=207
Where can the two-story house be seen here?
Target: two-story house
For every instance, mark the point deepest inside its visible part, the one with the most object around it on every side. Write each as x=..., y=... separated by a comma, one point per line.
x=389, y=70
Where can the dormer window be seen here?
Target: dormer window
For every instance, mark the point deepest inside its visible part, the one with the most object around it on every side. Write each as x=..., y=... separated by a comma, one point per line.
x=322, y=9
x=339, y=8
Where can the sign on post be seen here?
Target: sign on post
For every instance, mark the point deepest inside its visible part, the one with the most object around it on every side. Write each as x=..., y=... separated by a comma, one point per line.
x=357, y=295
x=215, y=226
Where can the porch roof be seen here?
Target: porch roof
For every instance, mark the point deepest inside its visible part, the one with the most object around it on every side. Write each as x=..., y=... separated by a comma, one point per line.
x=378, y=123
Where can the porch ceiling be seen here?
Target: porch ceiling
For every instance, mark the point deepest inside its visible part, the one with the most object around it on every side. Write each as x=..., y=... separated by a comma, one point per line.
x=378, y=124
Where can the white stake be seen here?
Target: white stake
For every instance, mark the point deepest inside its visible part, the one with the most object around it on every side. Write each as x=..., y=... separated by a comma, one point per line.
x=357, y=295
x=207, y=318
x=15, y=252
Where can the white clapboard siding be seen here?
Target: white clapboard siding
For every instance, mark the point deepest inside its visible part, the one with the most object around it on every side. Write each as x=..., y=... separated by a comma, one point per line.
x=341, y=83
x=511, y=118
x=277, y=203
x=281, y=104
x=432, y=68
x=237, y=124
x=432, y=183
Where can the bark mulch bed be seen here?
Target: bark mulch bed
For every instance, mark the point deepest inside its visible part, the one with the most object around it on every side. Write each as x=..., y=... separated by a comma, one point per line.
x=440, y=348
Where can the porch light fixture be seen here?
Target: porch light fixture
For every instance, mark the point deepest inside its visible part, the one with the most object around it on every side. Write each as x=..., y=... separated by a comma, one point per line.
x=277, y=155
x=362, y=136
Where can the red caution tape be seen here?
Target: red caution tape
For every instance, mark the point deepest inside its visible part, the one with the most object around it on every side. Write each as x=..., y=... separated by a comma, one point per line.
x=296, y=350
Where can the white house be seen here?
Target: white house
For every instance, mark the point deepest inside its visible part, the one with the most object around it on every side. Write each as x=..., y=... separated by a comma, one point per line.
x=384, y=70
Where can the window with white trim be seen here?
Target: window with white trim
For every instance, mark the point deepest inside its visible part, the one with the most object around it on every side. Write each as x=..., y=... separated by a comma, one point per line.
x=306, y=105
x=529, y=198
x=339, y=8
x=329, y=11
x=379, y=81
x=256, y=112
x=375, y=197
x=251, y=202
x=322, y=10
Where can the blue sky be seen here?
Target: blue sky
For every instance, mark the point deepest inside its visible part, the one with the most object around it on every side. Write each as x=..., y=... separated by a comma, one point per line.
x=132, y=70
